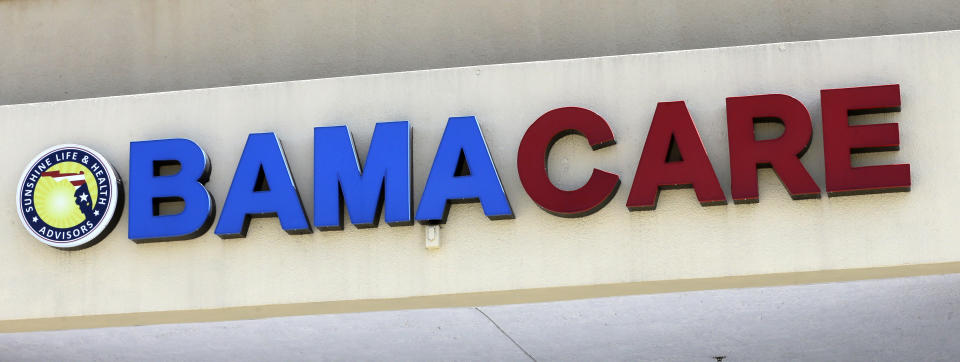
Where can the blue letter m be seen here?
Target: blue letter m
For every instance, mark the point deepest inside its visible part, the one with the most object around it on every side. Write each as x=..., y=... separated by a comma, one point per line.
x=384, y=179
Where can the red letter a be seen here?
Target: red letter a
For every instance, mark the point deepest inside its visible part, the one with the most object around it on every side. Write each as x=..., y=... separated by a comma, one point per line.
x=656, y=171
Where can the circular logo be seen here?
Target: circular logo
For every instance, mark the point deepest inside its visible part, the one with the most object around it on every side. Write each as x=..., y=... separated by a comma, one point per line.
x=68, y=197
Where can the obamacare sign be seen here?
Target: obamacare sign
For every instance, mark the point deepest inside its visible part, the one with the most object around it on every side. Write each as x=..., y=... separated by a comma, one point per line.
x=69, y=196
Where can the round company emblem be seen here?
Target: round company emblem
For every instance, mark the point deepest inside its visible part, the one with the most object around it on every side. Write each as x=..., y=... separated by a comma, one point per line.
x=68, y=197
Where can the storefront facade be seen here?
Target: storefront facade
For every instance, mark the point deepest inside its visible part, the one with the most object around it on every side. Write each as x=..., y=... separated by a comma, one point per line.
x=492, y=180
x=527, y=254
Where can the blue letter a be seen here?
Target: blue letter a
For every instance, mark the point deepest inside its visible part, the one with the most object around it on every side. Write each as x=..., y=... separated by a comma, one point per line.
x=262, y=165
x=385, y=177
x=462, y=147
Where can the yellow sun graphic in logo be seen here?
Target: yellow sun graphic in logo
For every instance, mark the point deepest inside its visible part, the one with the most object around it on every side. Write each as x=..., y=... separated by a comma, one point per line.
x=54, y=196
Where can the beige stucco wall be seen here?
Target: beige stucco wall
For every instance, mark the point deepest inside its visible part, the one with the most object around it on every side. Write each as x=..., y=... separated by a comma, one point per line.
x=678, y=241
x=67, y=49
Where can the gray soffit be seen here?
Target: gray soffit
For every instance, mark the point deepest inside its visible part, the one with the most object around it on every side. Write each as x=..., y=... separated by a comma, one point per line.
x=56, y=50
x=915, y=318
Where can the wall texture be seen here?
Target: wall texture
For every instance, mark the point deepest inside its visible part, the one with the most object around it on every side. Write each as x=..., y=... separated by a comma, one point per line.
x=778, y=238
x=67, y=49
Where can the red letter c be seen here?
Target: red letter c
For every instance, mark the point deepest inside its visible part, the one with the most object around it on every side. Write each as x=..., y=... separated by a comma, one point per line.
x=532, y=162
